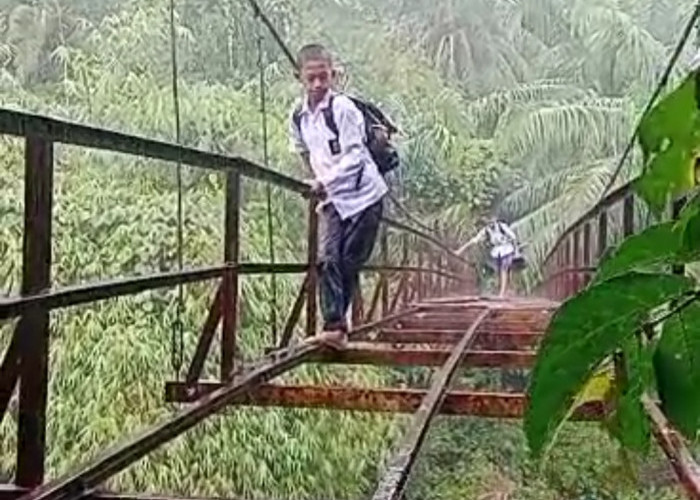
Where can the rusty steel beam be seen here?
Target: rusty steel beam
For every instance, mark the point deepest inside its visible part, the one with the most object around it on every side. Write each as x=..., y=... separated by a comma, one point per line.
x=473, y=305
x=373, y=353
x=9, y=374
x=456, y=322
x=398, y=293
x=12, y=492
x=294, y=314
x=90, y=475
x=230, y=282
x=60, y=131
x=374, y=301
x=611, y=199
x=485, y=340
x=33, y=328
x=537, y=316
x=143, y=496
x=92, y=292
x=313, y=272
x=394, y=479
x=205, y=338
x=412, y=269
x=79, y=484
x=382, y=400
x=425, y=237
x=674, y=447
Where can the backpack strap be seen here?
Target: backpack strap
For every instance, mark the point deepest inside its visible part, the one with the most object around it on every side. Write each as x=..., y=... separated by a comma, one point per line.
x=296, y=117
x=296, y=120
x=504, y=233
x=330, y=119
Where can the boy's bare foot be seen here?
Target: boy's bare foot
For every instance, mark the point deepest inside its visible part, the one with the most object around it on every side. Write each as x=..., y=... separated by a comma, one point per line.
x=335, y=339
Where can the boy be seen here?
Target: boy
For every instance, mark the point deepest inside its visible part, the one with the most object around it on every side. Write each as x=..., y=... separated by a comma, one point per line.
x=504, y=247
x=346, y=181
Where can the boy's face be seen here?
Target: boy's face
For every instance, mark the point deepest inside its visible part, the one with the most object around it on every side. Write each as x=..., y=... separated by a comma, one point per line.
x=317, y=77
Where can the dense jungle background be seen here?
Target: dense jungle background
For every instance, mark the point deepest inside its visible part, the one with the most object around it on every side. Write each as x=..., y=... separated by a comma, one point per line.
x=521, y=107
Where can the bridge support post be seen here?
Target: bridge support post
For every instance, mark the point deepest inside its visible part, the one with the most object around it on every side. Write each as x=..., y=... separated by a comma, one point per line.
x=576, y=278
x=384, y=244
x=405, y=293
x=602, y=234
x=230, y=278
x=32, y=332
x=312, y=273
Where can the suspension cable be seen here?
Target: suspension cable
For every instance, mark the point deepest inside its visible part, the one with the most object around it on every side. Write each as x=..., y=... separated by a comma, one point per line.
x=663, y=81
x=268, y=186
x=177, y=334
x=259, y=14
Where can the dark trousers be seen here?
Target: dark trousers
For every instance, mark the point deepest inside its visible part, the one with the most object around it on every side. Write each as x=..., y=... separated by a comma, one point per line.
x=345, y=247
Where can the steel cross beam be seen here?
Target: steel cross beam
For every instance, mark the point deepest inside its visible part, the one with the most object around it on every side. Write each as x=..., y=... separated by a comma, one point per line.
x=80, y=484
x=12, y=492
x=486, y=339
x=372, y=353
x=386, y=400
x=393, y=482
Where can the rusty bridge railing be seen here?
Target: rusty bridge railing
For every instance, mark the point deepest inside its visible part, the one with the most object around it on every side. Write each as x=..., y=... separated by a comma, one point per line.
x=422, y=267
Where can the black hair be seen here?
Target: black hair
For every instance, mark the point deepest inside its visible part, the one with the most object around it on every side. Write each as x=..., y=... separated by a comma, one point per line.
x=311, y=52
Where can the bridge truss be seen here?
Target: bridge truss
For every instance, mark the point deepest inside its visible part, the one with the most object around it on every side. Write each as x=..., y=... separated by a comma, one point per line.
x=419, y=314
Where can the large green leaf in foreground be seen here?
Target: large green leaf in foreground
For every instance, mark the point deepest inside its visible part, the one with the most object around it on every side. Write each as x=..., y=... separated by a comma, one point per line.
x=584, y=330
x=677, y=365
x=630, y=421
x=670, y=136
x=688, y=226
x=655, y=245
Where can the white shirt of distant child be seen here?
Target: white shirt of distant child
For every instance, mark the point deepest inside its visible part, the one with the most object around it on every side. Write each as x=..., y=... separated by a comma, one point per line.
x=501, y=238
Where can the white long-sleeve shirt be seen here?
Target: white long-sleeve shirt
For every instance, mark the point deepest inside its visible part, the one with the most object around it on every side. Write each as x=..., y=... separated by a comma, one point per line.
x=339, y=173
x=503, y=243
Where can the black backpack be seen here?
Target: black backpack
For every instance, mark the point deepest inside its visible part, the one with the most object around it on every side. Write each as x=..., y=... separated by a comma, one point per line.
x=384, y=155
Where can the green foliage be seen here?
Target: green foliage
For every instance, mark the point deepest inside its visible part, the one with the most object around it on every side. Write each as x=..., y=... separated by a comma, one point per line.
x=630, y=424
x=585, y=330
x=677, y=365
x=658, y=244
x=557, y=85
x=487, y=459
x=522, y=88
x=646, y=320
x=670, y=136
x=689, y=225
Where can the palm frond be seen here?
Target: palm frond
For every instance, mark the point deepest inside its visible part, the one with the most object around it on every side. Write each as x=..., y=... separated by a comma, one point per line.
x=539, y=191
x=595, y=125
x=541, y=228
x=487, y=110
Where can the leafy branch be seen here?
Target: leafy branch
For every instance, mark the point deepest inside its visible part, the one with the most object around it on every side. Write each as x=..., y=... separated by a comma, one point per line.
x=635, y=291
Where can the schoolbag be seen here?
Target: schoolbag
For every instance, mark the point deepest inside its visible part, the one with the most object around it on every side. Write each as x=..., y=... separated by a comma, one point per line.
x=384, y=155
x=496, y=234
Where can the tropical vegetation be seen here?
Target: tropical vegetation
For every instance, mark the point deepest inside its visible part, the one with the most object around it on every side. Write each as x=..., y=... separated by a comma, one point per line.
x=635, y=327
x=515, y=106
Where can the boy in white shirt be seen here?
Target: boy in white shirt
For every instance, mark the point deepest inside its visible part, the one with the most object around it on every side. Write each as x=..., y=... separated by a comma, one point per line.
x=346, y=180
